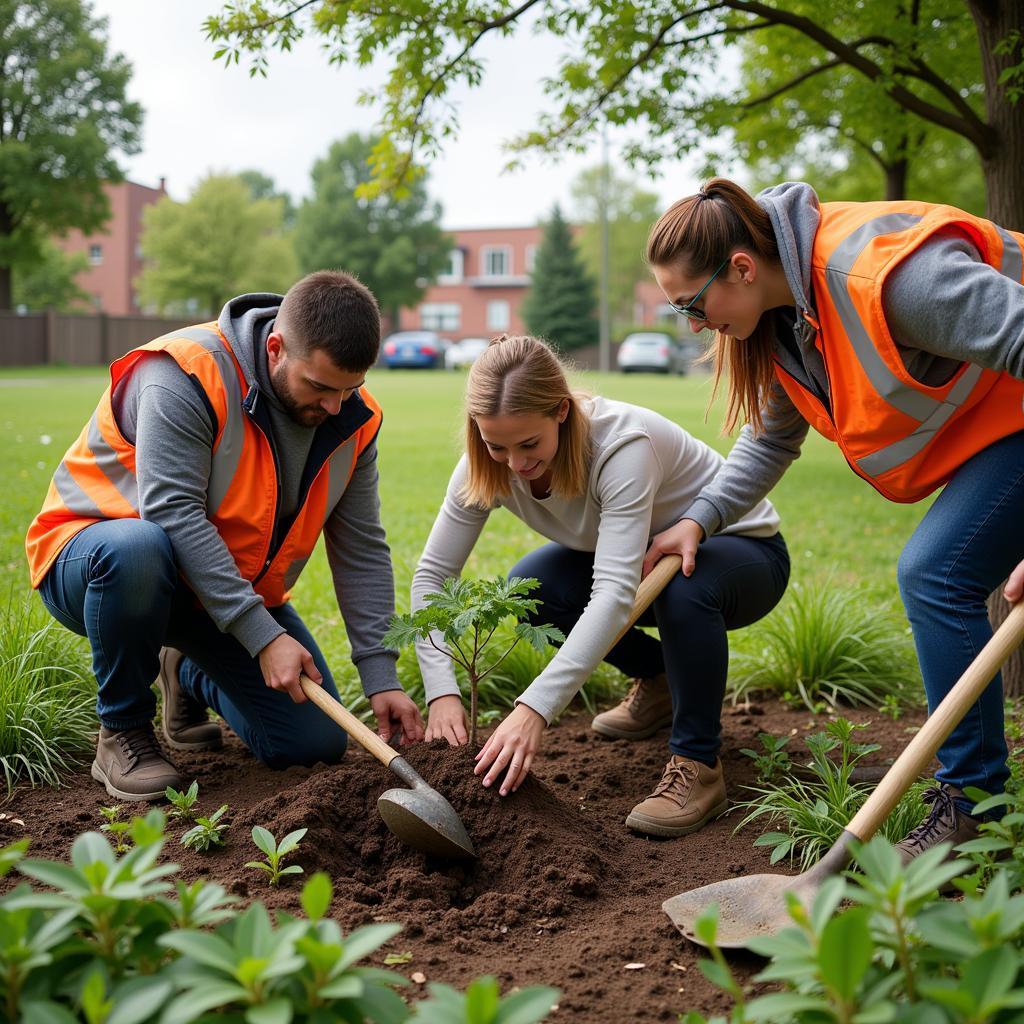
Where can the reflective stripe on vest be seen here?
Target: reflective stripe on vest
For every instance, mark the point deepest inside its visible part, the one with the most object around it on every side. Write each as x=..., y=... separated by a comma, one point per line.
x=932, y=414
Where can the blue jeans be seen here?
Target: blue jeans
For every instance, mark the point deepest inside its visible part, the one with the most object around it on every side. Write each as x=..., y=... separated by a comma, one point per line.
x=117, y=583
x=737, y=581
x=969, y=541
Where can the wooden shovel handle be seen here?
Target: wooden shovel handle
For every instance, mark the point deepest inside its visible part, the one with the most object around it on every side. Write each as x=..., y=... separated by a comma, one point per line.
x=650, y=587
x=943, y=720
x=363, y=735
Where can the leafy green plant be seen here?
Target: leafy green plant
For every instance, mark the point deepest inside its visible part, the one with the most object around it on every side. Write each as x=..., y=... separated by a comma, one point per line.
x=47, y=697
x=467, y=614
x=276, y=852
x=482, y=1004
x=183, y=804
x=206, y=832
x=815, y=810
x=772, y=761
x=117, y=827
x=828, y=646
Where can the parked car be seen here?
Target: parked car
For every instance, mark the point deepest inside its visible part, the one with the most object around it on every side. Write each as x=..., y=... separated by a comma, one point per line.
x=464, y=353
x=651, y=352
x=414, y=350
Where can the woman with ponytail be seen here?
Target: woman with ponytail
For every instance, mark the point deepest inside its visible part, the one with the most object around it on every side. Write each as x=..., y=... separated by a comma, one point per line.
x=598, y=478
x=896, y=330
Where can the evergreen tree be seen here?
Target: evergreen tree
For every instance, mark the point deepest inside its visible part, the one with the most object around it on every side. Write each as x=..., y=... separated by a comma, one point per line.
x=561, y=302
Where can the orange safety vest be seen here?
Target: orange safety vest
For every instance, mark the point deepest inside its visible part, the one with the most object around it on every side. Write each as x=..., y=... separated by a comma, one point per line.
x=96, y=479
x=905, y=438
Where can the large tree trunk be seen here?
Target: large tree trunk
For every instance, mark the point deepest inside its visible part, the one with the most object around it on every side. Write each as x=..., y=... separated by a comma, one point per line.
x=1004, y=181
x=896, y=180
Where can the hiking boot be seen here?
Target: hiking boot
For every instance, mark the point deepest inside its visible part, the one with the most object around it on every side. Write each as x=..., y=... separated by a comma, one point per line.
x=184, y=722
x=646, y=709
x=945, y=823
x=689, y=795
x=131, y=765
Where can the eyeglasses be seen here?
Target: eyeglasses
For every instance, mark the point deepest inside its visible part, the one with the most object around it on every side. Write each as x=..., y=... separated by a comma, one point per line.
x=691, y=311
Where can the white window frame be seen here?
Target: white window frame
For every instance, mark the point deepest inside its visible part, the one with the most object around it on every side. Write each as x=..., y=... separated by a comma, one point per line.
x=440, y=316
x=486, y=252
x=456, y=268
x=499, y=322
x=531, y=257
x=95, y=255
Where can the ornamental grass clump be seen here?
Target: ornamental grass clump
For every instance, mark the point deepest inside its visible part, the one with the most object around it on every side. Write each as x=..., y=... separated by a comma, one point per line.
x=47, y=698
x=466, y=614
x=826, y=647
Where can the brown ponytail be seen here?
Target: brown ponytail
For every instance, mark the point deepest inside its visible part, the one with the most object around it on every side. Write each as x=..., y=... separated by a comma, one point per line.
x=698, y=233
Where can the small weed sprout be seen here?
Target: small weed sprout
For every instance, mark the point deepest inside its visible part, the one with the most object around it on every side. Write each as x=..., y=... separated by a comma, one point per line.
x=466, y=614
x=276, y=852
x=117, y=827
x=891, y=707
x=206, y=832
x=772, y=761
x=183, y=805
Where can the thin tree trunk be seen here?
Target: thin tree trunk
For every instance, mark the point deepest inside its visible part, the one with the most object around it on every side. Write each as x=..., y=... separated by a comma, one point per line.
x=1004, y=181
x=5, y=288
x=896, y=180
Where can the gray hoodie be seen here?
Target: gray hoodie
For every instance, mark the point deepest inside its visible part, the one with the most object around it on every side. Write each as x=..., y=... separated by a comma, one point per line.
x=162, y=413
x=943, y=304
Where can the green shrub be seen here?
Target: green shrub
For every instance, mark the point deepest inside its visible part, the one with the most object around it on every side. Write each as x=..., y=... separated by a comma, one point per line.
x=108, y=939
x=826, y=646
x=813, y=811
x=47, y=697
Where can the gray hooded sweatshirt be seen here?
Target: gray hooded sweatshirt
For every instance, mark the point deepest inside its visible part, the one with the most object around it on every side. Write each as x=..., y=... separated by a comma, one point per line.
x=943, y=304
x=160, y=410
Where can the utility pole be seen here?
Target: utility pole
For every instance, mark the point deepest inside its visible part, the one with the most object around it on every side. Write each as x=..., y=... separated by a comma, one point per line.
x=604, y=335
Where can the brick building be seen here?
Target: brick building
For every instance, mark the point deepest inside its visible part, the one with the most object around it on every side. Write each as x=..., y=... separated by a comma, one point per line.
x=113, y=252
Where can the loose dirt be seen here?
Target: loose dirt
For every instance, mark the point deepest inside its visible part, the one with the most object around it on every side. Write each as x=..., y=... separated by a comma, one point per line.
x=562, y=893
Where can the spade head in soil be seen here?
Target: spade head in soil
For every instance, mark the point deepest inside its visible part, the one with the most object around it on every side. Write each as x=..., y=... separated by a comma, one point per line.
x=421, y=817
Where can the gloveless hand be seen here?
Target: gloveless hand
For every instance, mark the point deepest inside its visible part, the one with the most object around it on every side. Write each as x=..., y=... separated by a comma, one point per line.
x=513, y=745
x=1014, y=589
x=446, y=720
x=683, y=539
x=395, y=711
x=282, y=661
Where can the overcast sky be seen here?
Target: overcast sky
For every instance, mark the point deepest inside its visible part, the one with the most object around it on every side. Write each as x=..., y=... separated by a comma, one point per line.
x=202, y=117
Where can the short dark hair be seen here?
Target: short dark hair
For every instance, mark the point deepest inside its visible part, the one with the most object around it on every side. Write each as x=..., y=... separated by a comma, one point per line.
x=335, y=312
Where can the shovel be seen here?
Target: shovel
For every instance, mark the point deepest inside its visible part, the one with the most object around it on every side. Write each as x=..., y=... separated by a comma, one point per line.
x=756, y=906
x=419, y=816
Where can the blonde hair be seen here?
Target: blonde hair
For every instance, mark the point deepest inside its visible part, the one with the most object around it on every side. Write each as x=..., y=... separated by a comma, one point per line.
x=514, y=376
x=697, y=234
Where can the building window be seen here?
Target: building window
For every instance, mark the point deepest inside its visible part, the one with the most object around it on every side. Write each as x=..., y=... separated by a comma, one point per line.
x=531, y=256
x=498, y=316
x=95, y=255
x=452, y=274
x=440, y=316
x=496, y=261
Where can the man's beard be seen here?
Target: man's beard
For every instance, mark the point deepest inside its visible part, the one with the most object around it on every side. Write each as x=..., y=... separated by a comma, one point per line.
x=304, y=415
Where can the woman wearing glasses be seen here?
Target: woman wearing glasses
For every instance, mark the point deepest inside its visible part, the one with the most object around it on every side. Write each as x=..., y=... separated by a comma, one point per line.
x=896, y=330
x=597, y=478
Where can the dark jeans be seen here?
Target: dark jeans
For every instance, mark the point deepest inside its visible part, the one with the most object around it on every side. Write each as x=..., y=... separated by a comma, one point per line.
x=969, y=541
x=116, y=583
x=738, y=580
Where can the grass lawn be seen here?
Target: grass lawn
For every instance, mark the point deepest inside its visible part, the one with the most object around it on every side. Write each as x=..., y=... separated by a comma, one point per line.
x=837, y=527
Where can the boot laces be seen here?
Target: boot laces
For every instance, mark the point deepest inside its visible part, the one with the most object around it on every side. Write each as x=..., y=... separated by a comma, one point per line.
x=942, y=817
x=139, y=745
x=639, y=694
x=678, y=779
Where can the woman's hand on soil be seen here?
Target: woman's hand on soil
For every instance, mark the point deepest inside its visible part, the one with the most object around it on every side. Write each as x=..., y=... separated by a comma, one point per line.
x=446, y=720
x=1014, y=589
x=513, y=745
x=395, y=711
x=282, y=661
x=683, y=539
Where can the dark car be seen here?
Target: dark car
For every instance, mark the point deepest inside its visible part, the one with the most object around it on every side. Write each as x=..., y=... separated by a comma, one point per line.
x=414, y=350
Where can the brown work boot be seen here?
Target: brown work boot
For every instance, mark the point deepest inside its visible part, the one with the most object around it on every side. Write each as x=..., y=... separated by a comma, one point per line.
x=945, y=823
x=184, y=722
x=131, y=765
x=689, y=795
x=646, y=709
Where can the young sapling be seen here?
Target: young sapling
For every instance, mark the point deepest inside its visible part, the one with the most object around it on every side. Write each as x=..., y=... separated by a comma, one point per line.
x=183, y=805
x=466, y=613
x=117, y=827
x=276, y=852
x=206, y=832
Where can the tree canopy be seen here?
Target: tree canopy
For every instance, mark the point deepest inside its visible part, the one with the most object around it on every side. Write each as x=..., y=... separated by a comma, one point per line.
x=64, y=120
x=651, y=64
x=560, y=304
x=218, y=244
x=50, y=282
x=392, y=242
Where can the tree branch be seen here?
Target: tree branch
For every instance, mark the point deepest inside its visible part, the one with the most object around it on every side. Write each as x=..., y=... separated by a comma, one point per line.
x=792, y=83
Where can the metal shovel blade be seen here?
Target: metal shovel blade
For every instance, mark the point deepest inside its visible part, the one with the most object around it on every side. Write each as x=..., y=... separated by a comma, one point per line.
x=755, y=906
x=421, y=817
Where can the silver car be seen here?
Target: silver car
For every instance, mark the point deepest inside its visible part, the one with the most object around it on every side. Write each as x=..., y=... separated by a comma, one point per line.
x=651, y=352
